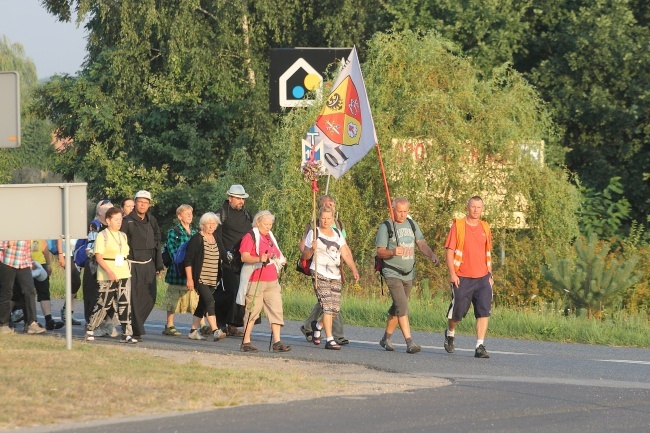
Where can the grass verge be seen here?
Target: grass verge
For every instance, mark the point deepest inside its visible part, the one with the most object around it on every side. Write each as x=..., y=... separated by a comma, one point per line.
x=43, y=383
x=542, y=324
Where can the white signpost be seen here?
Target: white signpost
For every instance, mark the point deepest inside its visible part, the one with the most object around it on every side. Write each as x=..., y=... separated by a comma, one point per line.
x=46, y=211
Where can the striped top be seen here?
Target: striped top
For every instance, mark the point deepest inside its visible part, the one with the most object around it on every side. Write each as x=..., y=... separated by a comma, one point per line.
x=210, y=267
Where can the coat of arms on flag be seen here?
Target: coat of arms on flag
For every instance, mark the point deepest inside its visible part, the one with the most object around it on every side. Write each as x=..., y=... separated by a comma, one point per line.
x=344, y=128
x=340, y=119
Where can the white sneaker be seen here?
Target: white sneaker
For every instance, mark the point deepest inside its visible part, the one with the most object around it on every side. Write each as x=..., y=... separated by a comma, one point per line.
x=196, y=335
x=100, y=331
x=219, y=334
x=89, y=336
x=110, y=330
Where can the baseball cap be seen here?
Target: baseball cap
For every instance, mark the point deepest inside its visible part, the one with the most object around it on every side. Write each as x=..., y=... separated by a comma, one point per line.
x=143, y=194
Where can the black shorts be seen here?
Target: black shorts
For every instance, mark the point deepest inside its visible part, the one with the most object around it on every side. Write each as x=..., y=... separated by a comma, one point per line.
x=471, y=291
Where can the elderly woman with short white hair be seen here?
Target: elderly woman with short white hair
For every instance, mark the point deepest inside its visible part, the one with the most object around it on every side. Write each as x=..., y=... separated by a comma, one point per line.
x=259, y=286
x=203, y=271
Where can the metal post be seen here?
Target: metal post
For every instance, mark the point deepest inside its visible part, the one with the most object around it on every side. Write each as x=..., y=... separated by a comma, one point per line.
x=68, y=263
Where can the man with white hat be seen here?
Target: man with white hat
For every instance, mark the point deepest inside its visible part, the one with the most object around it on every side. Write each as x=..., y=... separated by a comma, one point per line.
x=236, y=221
x=145, y=254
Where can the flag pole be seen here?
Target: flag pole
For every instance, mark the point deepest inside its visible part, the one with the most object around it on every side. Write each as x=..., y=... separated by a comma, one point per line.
x=383, y=176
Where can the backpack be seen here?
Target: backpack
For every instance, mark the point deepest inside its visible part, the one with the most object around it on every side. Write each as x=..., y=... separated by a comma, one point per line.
x=233, y=256
x=52, y=247
x=380, y=265
x=179, y=258
x=303, y=265
x=167, y=258
x=84, y=248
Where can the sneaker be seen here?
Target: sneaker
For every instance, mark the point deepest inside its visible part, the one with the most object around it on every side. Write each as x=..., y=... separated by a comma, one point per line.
x=233, y=331
x=315, y=333
x=72, y=319
x=306, y=332
x=53, y=324
x=100, y=331
x=33, y=328
x=413, y=348
x=205, y=330
x=386, y=344
x=332, y=345
x=219, y=334
x=342, y=341
x=128, y=339
x=5, y=329
x=89, y=336
x=449, y=343
x=17, y=316
x=480, y=352
x=196, y=335
x=172, y=331
x=278, y=346
x=110, y=330
x=247, y=347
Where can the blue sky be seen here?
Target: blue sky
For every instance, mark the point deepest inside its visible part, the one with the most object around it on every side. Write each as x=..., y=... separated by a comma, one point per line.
x=53, y=46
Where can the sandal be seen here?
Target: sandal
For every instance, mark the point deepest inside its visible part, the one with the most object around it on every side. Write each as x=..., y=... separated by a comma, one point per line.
x=315, y=333
x=247, y=347
x=278, y=346
x=332, y=345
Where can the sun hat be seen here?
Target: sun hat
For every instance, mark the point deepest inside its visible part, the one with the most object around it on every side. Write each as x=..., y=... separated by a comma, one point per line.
x=102, y=207
x=237, y=191
x=143, y=194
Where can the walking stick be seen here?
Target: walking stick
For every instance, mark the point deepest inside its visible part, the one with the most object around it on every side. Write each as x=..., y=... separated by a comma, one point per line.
x=250, y=310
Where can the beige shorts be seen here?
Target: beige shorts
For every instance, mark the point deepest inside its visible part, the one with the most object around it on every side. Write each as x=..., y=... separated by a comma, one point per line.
x=181, y=300
x=268, y=296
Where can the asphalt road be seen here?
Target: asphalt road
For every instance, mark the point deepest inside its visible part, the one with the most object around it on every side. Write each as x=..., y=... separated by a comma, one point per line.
x=524, y=386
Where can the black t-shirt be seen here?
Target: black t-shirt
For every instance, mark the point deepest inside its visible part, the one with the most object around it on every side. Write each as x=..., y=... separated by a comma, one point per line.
x=234, y=225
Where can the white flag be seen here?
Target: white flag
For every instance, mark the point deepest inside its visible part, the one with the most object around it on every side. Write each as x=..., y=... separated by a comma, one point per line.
x=345, y=124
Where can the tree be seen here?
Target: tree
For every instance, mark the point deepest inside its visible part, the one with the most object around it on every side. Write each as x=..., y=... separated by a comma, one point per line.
x=604, y=213
x=588, y=278
x=590, y=61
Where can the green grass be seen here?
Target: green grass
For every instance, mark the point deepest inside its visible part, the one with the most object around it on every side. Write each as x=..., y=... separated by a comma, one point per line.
x=542, y=323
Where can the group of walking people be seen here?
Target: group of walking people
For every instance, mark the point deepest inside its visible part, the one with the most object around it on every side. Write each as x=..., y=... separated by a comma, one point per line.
x=230, y=270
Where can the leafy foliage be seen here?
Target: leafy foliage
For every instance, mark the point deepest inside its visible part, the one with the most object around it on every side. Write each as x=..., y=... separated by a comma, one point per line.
x=604, y=213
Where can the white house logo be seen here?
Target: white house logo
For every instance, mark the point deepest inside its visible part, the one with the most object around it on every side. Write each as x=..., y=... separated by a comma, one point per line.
x=296, y=75
x=294, y=84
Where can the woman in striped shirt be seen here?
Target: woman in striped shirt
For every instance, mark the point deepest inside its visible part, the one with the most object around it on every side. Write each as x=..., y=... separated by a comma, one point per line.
x=203, y=270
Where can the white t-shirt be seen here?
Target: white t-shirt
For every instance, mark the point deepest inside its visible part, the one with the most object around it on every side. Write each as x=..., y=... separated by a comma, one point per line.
x=328, y=253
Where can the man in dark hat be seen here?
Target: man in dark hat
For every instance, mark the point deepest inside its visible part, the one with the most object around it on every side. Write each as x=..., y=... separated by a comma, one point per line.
x=236, y=221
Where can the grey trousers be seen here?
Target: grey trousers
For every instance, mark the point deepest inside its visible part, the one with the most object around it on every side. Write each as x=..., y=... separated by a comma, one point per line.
x=337, y=323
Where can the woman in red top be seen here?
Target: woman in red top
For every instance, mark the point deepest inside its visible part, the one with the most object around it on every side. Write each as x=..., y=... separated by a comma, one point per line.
x=262, y=260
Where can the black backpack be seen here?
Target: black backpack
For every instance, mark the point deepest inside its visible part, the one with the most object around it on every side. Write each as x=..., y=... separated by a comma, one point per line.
x=233, y=256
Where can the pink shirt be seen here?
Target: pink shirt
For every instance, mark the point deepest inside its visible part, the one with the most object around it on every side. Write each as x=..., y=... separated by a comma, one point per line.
x=269, y=272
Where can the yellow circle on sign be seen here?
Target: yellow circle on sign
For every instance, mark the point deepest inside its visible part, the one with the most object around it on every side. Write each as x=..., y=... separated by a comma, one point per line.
x=312, y=82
